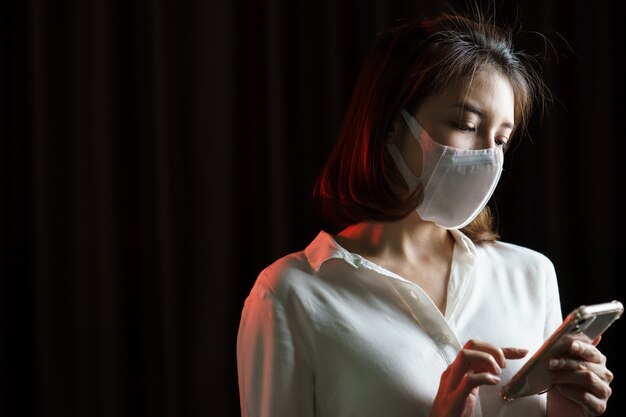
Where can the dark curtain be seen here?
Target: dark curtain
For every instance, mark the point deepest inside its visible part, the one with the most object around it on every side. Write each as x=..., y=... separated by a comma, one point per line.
x=156, y=155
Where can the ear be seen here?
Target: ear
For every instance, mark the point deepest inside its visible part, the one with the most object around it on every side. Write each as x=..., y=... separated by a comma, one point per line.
x=395, y=130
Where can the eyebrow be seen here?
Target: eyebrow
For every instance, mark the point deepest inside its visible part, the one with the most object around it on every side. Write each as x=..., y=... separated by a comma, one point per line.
x=473, y=109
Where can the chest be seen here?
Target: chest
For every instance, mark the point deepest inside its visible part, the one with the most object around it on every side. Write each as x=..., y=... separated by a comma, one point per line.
x=431, y=277
x=385, y=347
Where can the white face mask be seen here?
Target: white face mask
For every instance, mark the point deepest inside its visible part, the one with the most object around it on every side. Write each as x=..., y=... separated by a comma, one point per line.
x=457, y=183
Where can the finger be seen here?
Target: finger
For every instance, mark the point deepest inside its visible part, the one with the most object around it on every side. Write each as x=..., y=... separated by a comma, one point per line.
x=571, y=365
x=514, y=353
x=587, y=352
x=472, y=362
x=563, y=364
x=495, y=351
x=584, y=379
x=471, y=381
x=596, y=340
x=594, y=405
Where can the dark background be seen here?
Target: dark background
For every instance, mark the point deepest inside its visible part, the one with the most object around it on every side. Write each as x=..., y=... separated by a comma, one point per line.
x=156, y=155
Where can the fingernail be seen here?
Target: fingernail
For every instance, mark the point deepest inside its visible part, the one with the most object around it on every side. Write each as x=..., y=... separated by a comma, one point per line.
x=575, y=347
x=494, y=378
x=553, y=363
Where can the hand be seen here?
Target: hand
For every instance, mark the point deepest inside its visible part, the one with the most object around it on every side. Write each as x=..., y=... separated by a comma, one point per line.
x=478, y=363
x=580, y=381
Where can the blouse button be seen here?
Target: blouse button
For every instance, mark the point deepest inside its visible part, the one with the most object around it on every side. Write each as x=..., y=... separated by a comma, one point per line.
x=443, y=338
x=413, y=294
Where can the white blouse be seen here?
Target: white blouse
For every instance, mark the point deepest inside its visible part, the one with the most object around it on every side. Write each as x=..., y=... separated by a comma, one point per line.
x=325, y=332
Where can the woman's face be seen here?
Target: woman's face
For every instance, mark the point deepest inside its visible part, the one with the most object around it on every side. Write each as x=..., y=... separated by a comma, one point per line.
x=473, y=113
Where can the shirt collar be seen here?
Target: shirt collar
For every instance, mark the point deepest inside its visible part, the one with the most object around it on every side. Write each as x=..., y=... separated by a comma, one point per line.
x=464, y=242
x=324, y=248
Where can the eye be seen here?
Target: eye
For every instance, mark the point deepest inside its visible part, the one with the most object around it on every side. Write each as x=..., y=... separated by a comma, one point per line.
x=502, y=142
x=465, y=127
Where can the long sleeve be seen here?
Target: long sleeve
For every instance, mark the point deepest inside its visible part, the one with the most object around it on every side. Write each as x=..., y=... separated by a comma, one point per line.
x=275, y=376
x=554, y=315
x=325, y=332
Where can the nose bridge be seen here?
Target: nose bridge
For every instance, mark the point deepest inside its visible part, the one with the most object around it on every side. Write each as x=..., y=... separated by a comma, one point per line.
x=487, y=139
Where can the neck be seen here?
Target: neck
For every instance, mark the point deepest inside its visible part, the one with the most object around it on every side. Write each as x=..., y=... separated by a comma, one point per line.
x=410, y=239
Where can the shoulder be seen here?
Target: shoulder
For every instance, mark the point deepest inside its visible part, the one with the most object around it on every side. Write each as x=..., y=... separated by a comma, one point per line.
x=284, y=276
x=298, y=273
x=523, y=276
x=512, y=256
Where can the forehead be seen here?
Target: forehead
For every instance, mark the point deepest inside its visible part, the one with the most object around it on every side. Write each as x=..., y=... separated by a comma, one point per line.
x=488, y=90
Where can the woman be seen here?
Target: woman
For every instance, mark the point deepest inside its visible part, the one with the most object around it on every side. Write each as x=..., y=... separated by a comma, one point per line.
x=415, y=308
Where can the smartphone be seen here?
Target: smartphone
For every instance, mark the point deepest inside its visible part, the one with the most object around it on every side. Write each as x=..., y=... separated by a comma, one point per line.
x=591, y=320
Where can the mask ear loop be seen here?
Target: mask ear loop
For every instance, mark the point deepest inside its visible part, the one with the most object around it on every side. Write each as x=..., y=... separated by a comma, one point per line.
x=409, y=177
x=412, y=181
x=412, y=123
